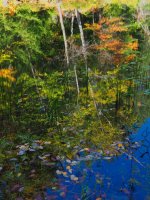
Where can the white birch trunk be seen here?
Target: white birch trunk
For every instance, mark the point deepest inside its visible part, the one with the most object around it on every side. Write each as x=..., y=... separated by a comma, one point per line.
x=83, y=43
x=63, y=31
x=76, y=77
x=72, y=23
x=75, y=69
x=143, y=14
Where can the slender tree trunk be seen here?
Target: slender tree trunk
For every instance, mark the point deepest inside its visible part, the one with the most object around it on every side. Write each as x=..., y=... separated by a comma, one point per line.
x=72, y=23
x=142, y=15
x=93, y=17
x=83, y=44
x=75, y=69
x=76, y=77
x=81, y=31
x=63, y=31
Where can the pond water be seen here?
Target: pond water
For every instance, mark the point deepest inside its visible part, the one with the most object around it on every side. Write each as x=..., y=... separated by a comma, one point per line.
x=126, y=176
x=120, y=172
x=92, y=155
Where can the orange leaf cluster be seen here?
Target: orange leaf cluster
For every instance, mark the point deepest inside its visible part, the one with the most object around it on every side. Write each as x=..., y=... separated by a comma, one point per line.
x=133, y=45
x=113, y=45
x=109, y=21
x=105, y=36
x=12, y=8
x=130, y=58
x=7, y=73
x=119, y=28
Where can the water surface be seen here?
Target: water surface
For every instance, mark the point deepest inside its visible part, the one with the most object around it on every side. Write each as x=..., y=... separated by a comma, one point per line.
x=126, y=176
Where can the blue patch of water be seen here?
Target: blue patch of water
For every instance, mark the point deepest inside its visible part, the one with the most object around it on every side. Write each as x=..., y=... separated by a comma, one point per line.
x=120, y=178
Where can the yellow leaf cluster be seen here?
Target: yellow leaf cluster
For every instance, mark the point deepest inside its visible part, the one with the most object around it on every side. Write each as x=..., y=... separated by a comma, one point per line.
x=7, y=73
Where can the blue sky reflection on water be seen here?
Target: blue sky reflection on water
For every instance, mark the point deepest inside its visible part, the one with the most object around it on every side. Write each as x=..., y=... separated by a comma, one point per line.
x=124, y=177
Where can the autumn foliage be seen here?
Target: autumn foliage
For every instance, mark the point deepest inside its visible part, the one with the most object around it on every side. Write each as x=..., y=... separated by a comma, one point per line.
x=111, y=44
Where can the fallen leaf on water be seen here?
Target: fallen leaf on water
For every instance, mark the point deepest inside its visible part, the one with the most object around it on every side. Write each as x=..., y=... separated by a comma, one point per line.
x=62, y=194
x=70, y=171
x=24, y=147
x=73, y=178
x=107, y=158
x=58, y=172
x=21, y=152
x=86, y=149
x=32, y=150
x=48, y=142
x=74, y=163
x=68, y=161
x=64, y=174
x=21, y=189
x=68, y=167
